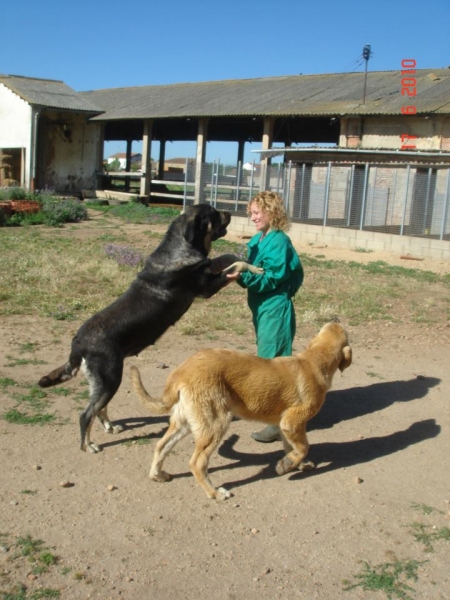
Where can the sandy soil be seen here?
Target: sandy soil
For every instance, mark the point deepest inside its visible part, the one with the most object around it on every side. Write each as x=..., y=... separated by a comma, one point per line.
x=380, y=442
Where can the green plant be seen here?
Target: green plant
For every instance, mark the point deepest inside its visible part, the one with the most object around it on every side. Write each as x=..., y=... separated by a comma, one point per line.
x=428, y=535
x=389, y=578
x=58, y=212
x=26, y=549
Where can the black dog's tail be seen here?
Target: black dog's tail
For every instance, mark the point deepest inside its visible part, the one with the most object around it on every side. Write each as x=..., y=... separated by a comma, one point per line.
x=63, y=373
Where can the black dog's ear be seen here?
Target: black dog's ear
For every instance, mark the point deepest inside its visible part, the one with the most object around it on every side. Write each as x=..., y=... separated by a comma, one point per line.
x=193, y=227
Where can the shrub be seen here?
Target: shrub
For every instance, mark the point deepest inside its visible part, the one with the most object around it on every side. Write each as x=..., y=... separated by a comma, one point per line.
x=56, y=212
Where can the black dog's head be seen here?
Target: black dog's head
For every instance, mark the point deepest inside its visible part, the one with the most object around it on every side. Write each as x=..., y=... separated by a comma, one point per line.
x=204, y=224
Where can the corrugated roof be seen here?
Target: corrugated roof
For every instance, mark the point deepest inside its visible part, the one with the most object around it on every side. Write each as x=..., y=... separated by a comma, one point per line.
x=335, y=94
x=49, y=93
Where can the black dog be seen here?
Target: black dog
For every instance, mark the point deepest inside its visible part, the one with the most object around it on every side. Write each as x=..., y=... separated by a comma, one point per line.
x=176, y=273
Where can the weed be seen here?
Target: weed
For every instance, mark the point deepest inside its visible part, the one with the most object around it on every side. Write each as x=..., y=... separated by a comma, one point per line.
x=27, y=347
x=389, y=578
x=45, y=593
x=29, y=492
x=363, y=250
x=61, y=391
x=372, y=374
x=124, y=255
x=424, y=508
x=6, y=382
x=428, y=535
x=138, y=441
x=36, y=401
x=41, y=559
x=18, y=362
x=16, y=417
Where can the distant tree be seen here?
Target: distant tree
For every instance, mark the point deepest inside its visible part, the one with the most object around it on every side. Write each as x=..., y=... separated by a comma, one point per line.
x=114, y=165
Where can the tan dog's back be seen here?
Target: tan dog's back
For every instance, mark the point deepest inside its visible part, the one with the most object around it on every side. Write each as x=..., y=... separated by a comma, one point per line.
x=212, y=385
x=248, y=386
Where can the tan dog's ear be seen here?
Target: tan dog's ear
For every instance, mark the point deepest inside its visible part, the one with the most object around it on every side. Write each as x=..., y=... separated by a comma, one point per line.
x=346, y=358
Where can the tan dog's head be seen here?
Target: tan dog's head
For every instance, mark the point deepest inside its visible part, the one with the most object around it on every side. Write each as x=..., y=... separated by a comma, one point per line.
x=335, y=339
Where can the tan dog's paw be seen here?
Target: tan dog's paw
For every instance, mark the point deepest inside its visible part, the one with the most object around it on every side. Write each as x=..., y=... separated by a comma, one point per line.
x=161, y=477
x=307, y=465
x=284, y=466
x=223, y=494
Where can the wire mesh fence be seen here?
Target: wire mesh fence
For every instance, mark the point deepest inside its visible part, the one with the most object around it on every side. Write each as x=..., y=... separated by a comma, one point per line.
x=401, y=200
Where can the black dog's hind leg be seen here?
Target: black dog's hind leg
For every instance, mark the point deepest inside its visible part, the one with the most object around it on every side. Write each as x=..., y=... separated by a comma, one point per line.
x=103, y=386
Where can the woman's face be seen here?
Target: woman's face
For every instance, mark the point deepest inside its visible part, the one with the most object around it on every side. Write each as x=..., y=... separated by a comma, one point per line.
x=259, y=218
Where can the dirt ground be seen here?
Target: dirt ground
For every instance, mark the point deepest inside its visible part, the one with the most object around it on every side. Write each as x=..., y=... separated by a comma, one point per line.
x=382, y=450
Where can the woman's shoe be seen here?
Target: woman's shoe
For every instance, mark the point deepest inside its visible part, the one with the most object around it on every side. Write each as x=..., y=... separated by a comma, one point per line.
x=270, y=433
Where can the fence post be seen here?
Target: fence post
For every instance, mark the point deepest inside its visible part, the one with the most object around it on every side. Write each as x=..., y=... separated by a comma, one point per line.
x=427, y=201
x=288, y=187
x=251, y=180
x=278, y=178
x=327, y=194
x=349, y=209
x=213, y=172
x=373, y=194
x=408, y=168
x=365, y=186
x=445, y=211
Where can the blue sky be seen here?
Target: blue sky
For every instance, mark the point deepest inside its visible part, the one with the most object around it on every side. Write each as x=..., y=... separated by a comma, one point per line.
x=96, y=44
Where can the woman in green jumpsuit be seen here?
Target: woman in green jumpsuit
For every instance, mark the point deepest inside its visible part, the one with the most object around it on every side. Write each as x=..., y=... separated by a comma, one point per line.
x=270, y=294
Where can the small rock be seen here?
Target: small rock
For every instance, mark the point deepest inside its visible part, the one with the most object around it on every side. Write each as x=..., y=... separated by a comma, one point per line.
x=111, y=488
x=37, y=467
x=129, y=579
x=162, y=365
x=358, y=480
x=4, y=549
x=66, y=484
x=31, y=576
x=255, y=530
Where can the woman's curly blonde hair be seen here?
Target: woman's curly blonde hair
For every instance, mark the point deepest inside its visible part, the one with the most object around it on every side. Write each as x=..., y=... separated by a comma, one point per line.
x=272, y=205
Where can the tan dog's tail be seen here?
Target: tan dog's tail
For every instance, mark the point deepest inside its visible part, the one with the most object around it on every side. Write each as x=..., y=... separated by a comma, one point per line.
x=155, y=405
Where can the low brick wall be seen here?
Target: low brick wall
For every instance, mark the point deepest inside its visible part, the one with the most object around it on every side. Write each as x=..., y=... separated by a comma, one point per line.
x=351, y=238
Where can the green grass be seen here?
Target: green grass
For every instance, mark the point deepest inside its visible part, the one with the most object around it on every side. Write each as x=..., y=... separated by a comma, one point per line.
x=31, y=408
x=390, y=578
x=47, y=272
x=428, y=535
x=42, y=561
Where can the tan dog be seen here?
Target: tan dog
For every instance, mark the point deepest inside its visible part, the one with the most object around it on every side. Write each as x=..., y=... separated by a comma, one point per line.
x=211, y=386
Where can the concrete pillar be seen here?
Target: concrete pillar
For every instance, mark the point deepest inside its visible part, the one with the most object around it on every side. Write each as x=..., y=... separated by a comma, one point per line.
x=202, y=135
x=162, y=158
x=146, y=158
x=128, y=164
x=266, y=145
x=241, y=147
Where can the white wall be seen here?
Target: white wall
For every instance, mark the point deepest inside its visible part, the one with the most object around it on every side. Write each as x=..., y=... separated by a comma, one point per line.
x=70, y=162
x=16, y=125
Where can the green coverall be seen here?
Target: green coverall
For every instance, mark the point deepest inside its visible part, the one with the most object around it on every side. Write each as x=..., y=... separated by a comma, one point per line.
x=269, y=294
